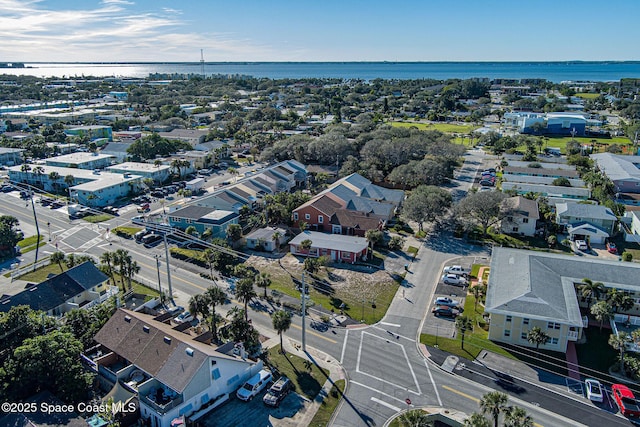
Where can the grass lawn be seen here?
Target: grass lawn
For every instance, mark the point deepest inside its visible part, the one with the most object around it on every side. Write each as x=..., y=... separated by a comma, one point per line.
x=442, y=127
x=126, y=231
x=307, y=378
x=40, y=275
x=98, y=218
x=587, y=95
x=328, y=405
x=561, y=142
x=29, y=243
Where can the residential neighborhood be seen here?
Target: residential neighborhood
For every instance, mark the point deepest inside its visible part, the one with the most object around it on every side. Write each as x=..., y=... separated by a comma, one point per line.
x=231, y=250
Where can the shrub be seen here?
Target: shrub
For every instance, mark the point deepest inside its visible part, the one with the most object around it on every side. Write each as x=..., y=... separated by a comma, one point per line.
x=396, y=243
x=627, y=256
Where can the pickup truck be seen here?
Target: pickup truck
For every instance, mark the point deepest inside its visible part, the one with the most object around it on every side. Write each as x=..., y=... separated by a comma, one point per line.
x=455, y=269
x=626, y=400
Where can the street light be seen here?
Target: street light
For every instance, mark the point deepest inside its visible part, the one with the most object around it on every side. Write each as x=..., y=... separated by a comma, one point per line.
x=49, y=228
x=157, y=256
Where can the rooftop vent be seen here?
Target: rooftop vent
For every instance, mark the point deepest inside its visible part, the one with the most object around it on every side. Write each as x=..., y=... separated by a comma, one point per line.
x=167, y=340
x=189, y=351
x=145, y=328
x=127, y=319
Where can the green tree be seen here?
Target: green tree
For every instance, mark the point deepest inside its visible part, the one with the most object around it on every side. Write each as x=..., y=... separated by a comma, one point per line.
x=463, y=324
x=426, y=203
x=306, y=244
x=263, y=280
x=275, y=237
x=537, y=336
x=9, y=235
x=245, y=293
x=619, y=300
x=57, y=258
x=482, y=209
x=414, y=418
x=234, y=232
x=107, y=261
x=199, y=305
x=478, y=292
x=590, y=290
x=619, y=342
x=517, y=417
x=121, y=258
x=215, y=296
x=477, y=420
x=602, y=312
x=49, y=362
x=374, y=237
x=281, y=320
x=494, y=403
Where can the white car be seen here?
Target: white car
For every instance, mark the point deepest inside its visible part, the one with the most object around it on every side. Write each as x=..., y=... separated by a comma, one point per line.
x=594, y=390
x=446, y=301
x=455, y=269
x=254, y=385
x=183, y=317
x=581, y=245
x=453, y=279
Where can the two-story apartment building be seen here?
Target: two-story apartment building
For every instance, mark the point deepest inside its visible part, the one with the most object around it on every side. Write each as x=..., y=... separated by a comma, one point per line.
x=159, y=173
x=173, y=372
x=81, y=160
x=529, y=288
x=623, y=171
x=521, y=216
x=82, y=286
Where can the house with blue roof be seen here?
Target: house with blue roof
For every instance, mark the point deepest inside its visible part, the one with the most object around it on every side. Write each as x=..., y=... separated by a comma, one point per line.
x=583, y=221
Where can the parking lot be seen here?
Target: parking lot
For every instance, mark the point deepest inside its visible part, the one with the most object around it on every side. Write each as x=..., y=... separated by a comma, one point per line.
x=237, y=413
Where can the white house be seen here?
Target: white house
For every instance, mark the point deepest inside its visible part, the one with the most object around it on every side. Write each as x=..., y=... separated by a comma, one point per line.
x=81, y=160
x=159, y=173
x=521, y=216
x=174, y=373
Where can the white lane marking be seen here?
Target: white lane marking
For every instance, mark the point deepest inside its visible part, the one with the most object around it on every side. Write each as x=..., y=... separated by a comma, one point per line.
x=418, y=393
x=383, y=403
x=433, y=382
x=401, y=336
x=344, y=346
x=376, y=390
x=390, y=324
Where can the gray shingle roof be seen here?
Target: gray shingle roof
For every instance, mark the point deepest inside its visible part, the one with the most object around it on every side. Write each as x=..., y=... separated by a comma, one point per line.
x=192, y=212
x=584, y=211
x=542, y=285
x=331, y=241
x=618, y=168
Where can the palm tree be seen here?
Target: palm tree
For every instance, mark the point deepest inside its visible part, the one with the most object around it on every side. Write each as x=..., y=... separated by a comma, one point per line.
x=537, y=336
x=38, y=171
x=107, y=259
x=198, y=304
x=234, y=173
x=25, y=167
x=306, y=244
x=57, y=257
x=120, y=259
x=210, y=258
x=176, y=164
x=263, y=280
x=477, y=420
x=602, y=312
x=234, y=232
x=69, y=180
x=131, y=269
x=494, y=403
x=590, y=290
x=244, y=293
x=619, y=300
x=517, y=417
x=619, y=342
x=276, y=240
x=191, y=230
x=70, y=260
x=478, y=291
x=281, y=322
x=463, y=324
x=54, y=177
x=215, y=296
x=207, y=233
x=415, y=418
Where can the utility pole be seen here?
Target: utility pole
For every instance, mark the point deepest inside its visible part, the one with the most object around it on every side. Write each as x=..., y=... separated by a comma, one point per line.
x=35, y=219
x=202, y=62
x=304, y=309
x=166, y=252
x=158, y=269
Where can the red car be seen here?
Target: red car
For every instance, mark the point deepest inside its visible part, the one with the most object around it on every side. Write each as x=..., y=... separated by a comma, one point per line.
x=626, y=400
x=611, y=247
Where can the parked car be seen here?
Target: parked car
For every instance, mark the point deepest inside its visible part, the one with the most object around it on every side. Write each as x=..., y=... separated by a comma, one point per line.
x=278, y=391
x=254, y=385
x=150, y=239
x=45, y=201
x=594, y=390
x=444, y=311
x=110, y=210
x=581, y=245
x=453, y=279
x=487, y=183
x=447, y=302
x=145, y=207
x=140, y=234
x=611, y=248
x=157, y=193
x=625, y=400
x=183, y=317
x=455, y=269
x=25, y=194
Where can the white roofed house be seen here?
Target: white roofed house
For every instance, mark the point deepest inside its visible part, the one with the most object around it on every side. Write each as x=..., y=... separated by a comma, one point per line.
x=337, y=247
x=264, y=238
x=173, y=372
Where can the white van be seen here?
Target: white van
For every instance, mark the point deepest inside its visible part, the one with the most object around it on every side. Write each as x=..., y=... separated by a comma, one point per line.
x=254, y=385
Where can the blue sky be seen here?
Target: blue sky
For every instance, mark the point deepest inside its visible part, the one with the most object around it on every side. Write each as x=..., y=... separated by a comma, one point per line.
x=327, y=30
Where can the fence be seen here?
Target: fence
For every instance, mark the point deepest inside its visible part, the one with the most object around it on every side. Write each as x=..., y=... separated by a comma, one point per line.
x=28, y=268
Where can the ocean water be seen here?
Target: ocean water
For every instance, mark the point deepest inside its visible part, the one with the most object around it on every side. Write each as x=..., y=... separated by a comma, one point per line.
x=551, y=71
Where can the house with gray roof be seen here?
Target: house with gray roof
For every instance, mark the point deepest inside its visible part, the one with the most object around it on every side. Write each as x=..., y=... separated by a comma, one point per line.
x=337, y=247
x=82, y=286
x=203, y=218
x=623, y=171
x=586, y=221
x=554, y=193
x=175, y=373
x=529, y=288
x=521, y=216
x=268, y=238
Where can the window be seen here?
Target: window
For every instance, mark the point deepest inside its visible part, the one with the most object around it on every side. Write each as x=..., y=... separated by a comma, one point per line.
x=307, y=216
x=320, y=219
x=509, y=318
x=525, y=220
x=507, y=332
x=553, y=325
x=554, y=341
x=215, y=374
x=525, y=321
x=510, y=218
x=295, y=216
x=523, y=336
x=233, y=379
x=345, y=255
x=515, y=229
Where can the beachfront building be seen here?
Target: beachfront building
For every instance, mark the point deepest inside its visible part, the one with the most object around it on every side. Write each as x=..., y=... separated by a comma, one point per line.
x=81, y=160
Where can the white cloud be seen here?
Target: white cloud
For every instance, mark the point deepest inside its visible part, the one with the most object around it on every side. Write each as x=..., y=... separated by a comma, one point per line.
x=117, y=2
